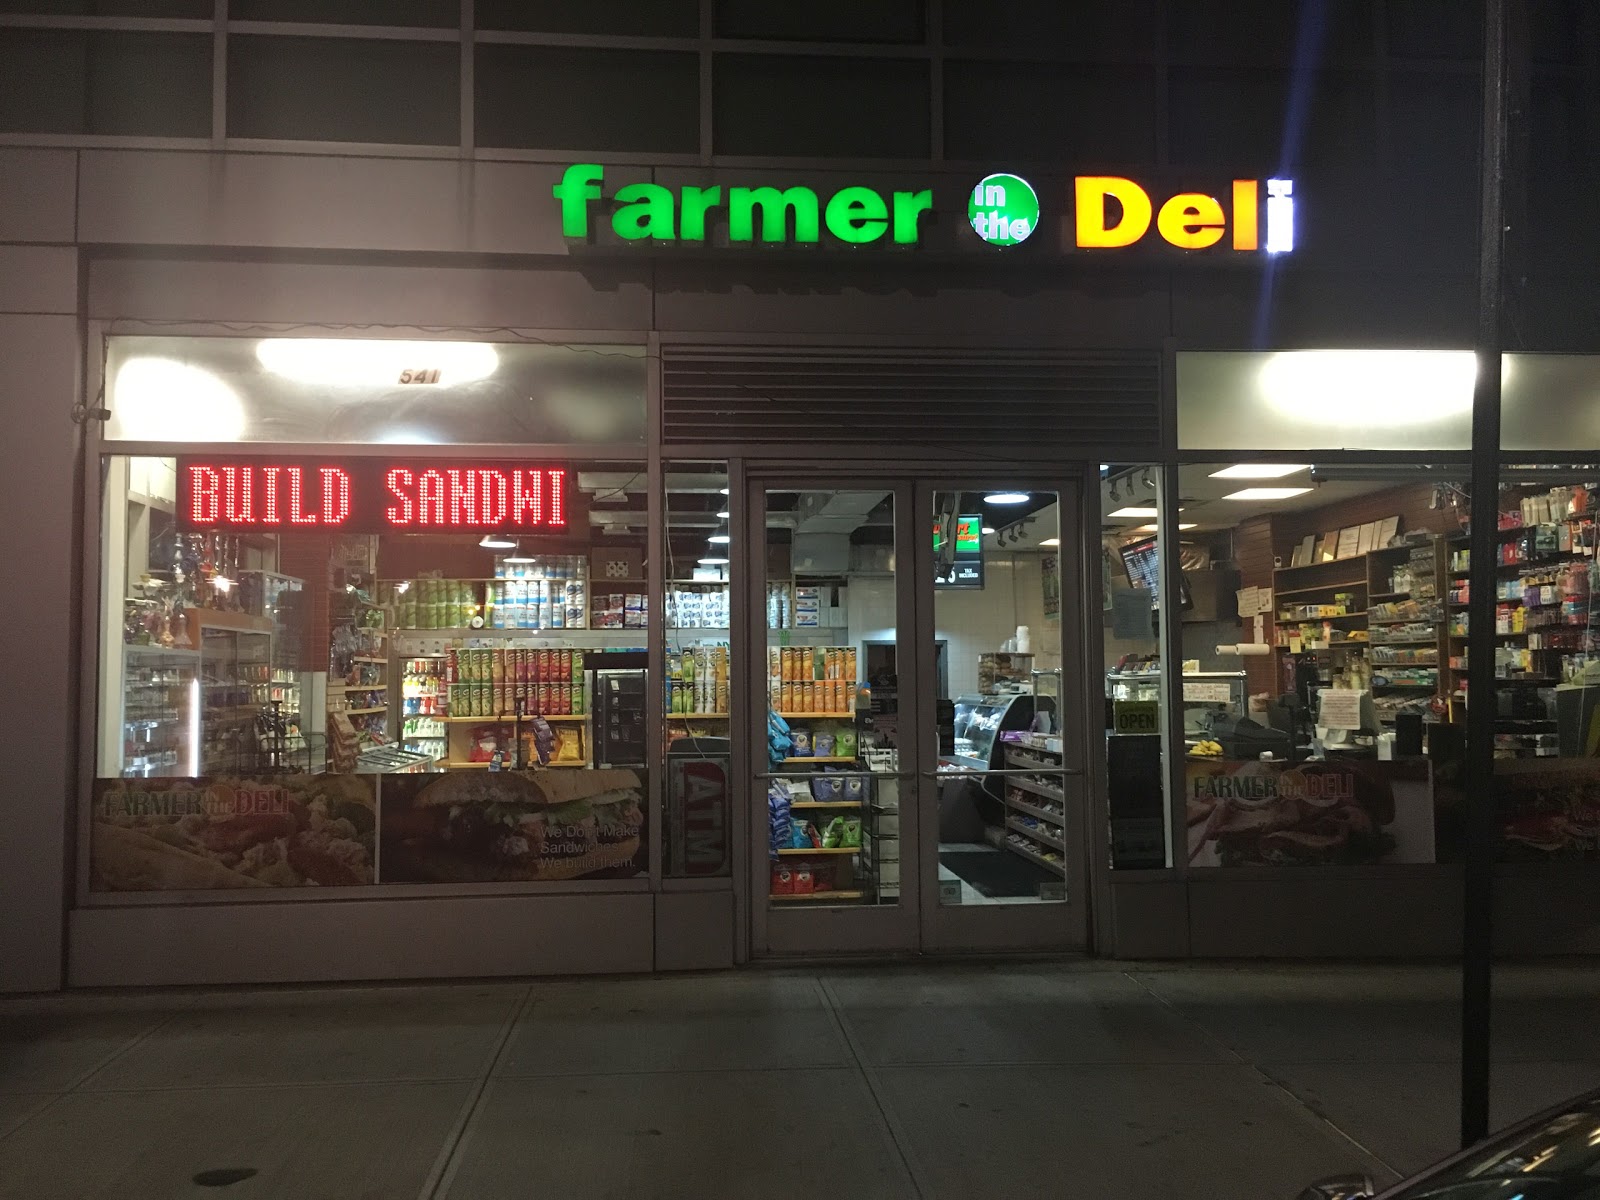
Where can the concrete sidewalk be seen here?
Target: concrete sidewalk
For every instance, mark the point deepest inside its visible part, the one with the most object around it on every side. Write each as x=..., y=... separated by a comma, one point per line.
x=1010, y=1081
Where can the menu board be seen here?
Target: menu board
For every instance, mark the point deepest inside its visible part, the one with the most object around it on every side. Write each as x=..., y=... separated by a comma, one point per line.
x=965, y=558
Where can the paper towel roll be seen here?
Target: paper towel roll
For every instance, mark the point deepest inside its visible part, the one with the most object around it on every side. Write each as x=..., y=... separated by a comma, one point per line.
x=1246, y=649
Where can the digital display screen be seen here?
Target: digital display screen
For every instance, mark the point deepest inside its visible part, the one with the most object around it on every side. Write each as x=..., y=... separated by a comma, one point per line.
x=966, y=569
x=1142, y=562
x=371, y=495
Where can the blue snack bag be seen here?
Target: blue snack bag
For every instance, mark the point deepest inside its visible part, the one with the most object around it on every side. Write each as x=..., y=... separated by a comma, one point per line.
x=802, y=744
x=780, y=821
x=824, y=787
x=854, y=787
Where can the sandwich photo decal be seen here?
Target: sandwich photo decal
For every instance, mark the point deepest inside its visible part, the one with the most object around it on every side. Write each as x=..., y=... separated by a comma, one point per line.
x=202, y=834
x=509, y=826
x=1246, y=814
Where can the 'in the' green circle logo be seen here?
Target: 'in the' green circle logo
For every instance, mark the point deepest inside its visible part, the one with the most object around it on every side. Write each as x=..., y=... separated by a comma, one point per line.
x=1003, y=209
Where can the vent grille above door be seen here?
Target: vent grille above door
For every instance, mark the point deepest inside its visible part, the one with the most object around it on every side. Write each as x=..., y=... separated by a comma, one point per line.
x=1060, y=402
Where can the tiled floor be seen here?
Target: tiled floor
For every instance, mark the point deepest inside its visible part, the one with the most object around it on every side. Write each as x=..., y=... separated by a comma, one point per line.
x=1013, y=1080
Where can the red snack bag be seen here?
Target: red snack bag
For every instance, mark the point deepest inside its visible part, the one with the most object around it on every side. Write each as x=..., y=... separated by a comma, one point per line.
x=804, y=884
x=782, y=880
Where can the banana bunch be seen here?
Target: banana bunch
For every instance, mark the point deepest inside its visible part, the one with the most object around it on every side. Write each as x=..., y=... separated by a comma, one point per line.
x=1207, y=749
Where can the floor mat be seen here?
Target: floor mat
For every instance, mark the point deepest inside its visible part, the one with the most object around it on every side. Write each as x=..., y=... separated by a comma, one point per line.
x=997, y=872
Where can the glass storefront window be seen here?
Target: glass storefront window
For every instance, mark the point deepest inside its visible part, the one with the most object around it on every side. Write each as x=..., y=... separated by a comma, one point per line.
x=697, y=704
x=284, y=704
x=1131, y=571
x=373, y=391
x=1325, y=662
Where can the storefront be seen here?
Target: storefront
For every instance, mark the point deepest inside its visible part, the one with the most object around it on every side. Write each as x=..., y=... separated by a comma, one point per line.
x=611, y=568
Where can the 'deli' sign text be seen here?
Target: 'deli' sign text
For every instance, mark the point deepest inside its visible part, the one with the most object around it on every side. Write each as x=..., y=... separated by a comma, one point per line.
x=371, y=496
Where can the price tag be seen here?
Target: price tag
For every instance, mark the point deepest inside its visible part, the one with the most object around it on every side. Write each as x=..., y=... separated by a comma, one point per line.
x=1340, y=708
x=1210, y=693
x=1136, y=716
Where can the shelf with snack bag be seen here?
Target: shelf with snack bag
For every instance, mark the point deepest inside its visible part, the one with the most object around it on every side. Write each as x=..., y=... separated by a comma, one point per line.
x=803, y=851
x=817, y=897
x=822, y=758
x=817, y=716
x=697, y=716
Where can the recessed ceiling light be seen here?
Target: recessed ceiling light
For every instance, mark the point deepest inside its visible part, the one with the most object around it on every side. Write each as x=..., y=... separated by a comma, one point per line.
x=1260, y=470
x=1157, y=528
x=723, y=515
x=1051, y=542
x=988, y=528
x=719, y=539
x=1136, y=511
x=1266, y=493
x=711, y=560
x=1006, y=498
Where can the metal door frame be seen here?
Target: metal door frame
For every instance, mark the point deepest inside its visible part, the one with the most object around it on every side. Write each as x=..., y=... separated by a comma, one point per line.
x=822, y=930
x=989, y=927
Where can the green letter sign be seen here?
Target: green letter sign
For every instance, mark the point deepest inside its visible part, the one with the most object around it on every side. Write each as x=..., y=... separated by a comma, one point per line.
x=651, y=211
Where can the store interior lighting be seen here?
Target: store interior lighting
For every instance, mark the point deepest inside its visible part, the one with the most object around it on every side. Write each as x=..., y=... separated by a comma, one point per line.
x=517, y=555
x=1266, y=493
x=713, y=560
x=493, y=541
x=1260, y=470
x=1140, y=512
x=1153, y=528
x=723, y=515
x=988, y=529
x=1051, y=542
x=1381, y=388
x=160, y=400
x=719, y=539
x=377, y=362
x=1006, y=498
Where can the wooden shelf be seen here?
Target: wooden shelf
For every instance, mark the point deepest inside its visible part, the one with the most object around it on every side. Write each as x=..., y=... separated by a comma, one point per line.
x=785, y=897
x=1360, y=612
x=824, y=804
x=1320, y=588
x=1027, y=785
x=823, y=758
x=510, y=718
x=358, y=712
x=817, y=716
x=367, y=658
x=697, y=716
x=468, y=766
x=358, y=687
x=802, y=853
x=1039, y=813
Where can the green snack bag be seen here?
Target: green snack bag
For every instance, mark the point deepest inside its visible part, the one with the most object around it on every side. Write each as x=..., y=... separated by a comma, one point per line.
x=852, y=834
x=833, y=836
x=844, y=743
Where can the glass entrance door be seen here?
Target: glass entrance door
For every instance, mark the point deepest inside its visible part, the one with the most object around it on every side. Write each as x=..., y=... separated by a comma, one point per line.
x=917, y=714
x=1003, y=717
x=833, y=787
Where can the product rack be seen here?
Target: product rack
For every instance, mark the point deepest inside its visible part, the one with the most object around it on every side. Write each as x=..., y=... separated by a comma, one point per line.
x=1044, y=842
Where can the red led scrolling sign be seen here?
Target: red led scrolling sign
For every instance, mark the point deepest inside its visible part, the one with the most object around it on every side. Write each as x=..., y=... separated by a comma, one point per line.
x=371, y=496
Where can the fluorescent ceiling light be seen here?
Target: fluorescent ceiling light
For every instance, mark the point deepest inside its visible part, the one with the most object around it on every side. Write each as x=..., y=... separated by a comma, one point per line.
x=493, y=541
x=162, y=400
x=1380, y=388
x=1260, y=470
x=1266, y=493
x=377, y=362
x=719, y=539
x=1136, y=511
x=1051, y=542
x=712, y=560
x=1157, y=529
x=1006, y=498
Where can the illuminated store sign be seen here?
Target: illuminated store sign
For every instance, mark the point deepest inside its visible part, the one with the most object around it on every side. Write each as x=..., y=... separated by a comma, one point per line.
x=856, y=215
x=371, y=496
x=1003, y=209
x=1108, y=212
x=1112, y=212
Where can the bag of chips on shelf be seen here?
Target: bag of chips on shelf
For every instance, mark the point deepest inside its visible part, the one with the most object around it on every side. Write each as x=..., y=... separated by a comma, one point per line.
x=852, y=833
x=822, y=745
x=844, y=743
x=824, y=788
x=780, y=822
x=853, y=787
x=801, y=744
x=833, y=835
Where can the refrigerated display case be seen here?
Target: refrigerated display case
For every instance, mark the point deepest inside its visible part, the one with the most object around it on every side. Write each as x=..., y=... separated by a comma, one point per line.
x=236, y=689
x=160, y=711
x=979, y=722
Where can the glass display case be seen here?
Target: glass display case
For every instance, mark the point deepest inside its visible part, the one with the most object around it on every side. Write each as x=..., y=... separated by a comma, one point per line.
x=160, y=711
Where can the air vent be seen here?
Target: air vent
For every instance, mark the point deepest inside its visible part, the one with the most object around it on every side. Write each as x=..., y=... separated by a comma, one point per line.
x=943, y=399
